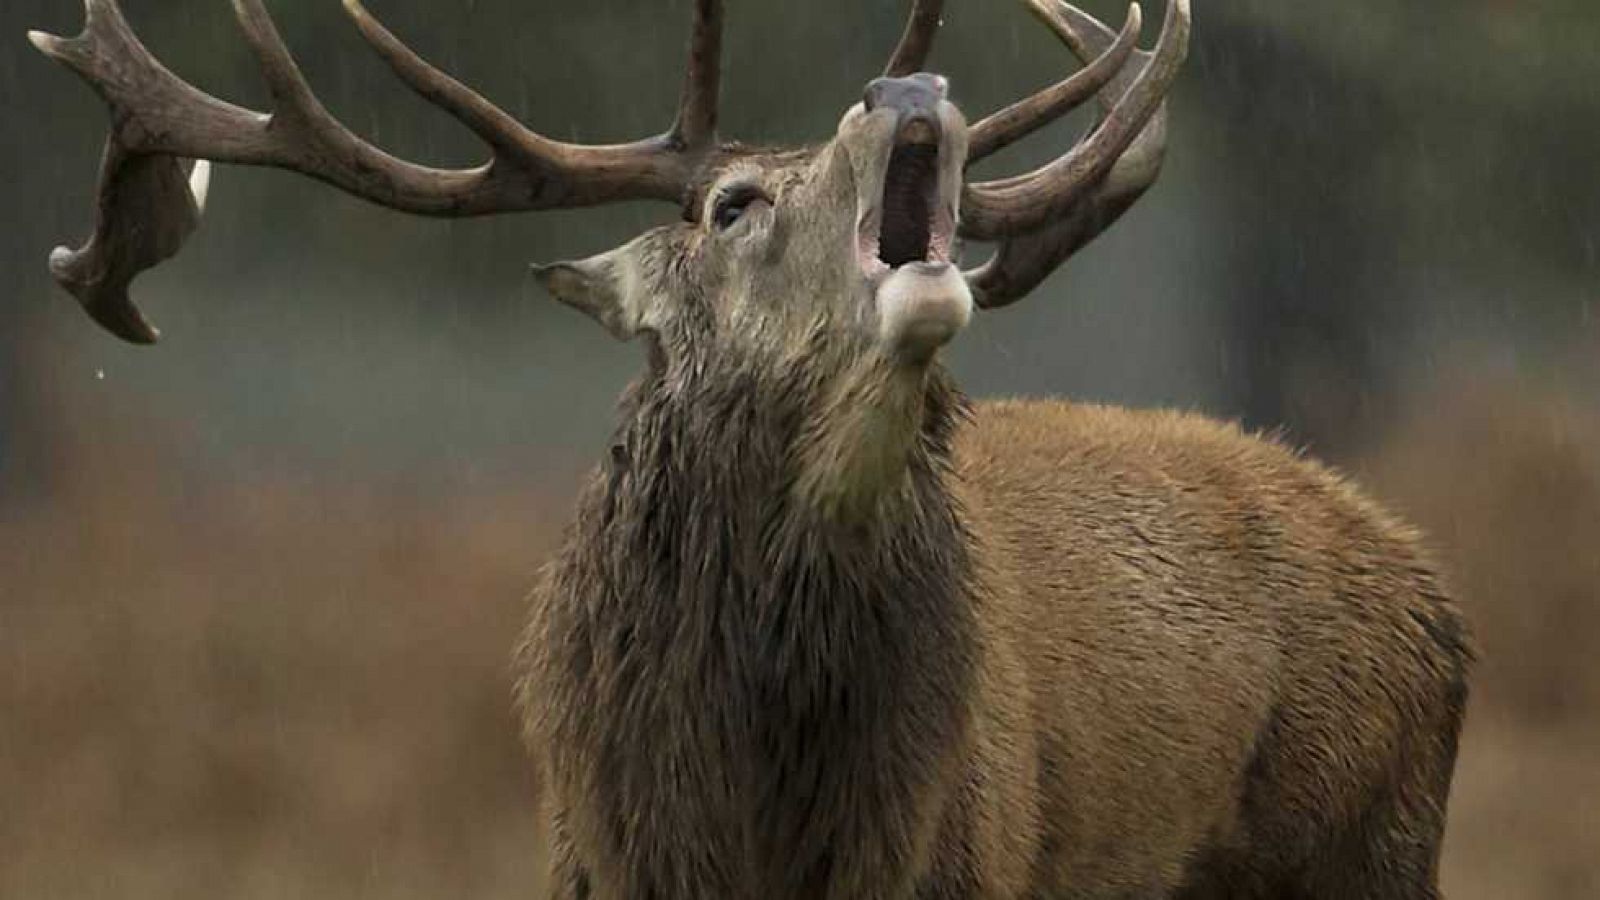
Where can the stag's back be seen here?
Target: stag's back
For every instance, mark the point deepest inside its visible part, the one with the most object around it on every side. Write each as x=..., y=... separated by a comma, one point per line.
x=1219, y=644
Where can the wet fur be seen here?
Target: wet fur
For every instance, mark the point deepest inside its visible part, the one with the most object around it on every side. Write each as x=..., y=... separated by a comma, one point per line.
x=1069, y=651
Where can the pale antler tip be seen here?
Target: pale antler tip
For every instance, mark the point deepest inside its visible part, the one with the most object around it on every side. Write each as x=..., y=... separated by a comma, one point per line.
x=1135, y=21
x=45, y=43
x=200, y=183
x=60, y=258
x=356, y=10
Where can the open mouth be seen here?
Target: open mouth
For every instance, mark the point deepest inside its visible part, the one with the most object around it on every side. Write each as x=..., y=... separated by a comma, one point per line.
x=909, y=224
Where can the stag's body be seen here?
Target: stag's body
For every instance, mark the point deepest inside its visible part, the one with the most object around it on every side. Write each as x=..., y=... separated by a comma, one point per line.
x=1085, y=652
x=821, y=631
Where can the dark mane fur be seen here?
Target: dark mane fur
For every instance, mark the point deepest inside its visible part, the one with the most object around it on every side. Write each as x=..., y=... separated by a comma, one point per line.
x=780, y=684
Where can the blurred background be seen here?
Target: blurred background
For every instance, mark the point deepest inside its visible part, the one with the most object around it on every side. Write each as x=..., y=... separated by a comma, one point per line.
x=259, y=585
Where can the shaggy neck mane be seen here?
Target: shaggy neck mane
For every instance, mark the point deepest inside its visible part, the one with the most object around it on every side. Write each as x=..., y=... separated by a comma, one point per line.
x=765, y=676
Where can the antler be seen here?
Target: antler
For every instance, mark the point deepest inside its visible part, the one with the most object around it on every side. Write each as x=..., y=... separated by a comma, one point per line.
x=1023, y=204
x=1025, y=260
x=1020, y=119
x=159, y=120
x=917, y=42
x=1024, y=117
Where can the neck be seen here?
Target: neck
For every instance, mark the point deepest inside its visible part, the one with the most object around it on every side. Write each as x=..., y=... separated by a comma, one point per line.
x=774, y=585
x=877, y=433
x=861, y=450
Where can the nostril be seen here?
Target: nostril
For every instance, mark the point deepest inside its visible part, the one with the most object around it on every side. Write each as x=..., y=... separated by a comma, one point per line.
x=937, y=84
x=876, y=93
x=918, y=94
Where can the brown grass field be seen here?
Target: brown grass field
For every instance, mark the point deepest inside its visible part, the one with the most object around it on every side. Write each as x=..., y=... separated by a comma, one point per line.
x=284, y=688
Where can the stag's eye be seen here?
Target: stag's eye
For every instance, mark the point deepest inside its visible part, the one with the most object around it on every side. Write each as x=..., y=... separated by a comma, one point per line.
x=734, y=202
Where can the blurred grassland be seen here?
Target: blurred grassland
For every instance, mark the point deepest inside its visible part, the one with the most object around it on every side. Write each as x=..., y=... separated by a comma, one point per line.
x=1504, y=475
x=262, y=689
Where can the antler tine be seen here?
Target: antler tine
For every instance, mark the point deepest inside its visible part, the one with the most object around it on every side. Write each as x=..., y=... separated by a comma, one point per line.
x=517, y=148
x=1025, y=203
x=696, y=127
x=1020, y=119
x=146, y=211
x=917, y=42
x=487, y=121
x=1022, y=262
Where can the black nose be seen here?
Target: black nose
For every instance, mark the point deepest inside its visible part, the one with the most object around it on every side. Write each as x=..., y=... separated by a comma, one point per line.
x=914, y=96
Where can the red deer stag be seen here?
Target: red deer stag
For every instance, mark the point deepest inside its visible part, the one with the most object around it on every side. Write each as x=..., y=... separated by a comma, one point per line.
x=822, y=628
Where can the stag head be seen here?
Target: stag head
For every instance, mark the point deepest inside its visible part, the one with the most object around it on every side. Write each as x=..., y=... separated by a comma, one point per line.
x=786, y=253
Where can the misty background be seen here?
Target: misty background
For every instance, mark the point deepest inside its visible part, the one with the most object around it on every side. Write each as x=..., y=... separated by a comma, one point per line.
x=259, y=584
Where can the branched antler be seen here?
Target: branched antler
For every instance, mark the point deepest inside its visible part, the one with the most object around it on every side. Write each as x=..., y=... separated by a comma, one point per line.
x=1026, y=203
x=1024, y=260
x=1043, y=217
x=1024, y=117
x=146, y=212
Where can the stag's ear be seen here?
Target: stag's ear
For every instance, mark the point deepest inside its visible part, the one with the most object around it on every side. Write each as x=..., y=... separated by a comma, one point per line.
x=606, y=287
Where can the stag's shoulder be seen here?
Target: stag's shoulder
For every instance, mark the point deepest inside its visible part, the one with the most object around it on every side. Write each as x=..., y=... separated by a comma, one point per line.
x=1180, y=467
x=1028, y=434
x=1082, y=483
